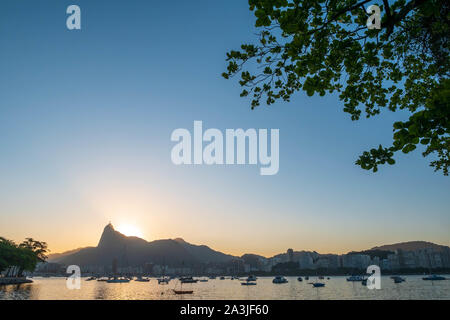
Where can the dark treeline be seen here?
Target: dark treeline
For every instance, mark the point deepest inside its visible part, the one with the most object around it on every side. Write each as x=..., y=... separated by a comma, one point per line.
x=23, y=256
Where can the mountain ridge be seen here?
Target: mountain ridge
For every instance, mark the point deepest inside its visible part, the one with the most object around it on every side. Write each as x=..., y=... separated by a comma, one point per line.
x=410, y=246
x=129, y=250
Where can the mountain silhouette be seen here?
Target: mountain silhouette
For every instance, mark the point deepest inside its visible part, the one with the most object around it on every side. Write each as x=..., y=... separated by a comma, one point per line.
x=411, y=246
x=134, y=251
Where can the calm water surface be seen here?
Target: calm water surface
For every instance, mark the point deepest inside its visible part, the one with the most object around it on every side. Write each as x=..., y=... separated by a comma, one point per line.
x=336, y=288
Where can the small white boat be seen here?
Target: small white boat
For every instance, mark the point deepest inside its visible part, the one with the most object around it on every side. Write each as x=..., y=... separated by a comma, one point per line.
x=140, y=279
x=356, y=278
x=104, y=279
x=118, y=280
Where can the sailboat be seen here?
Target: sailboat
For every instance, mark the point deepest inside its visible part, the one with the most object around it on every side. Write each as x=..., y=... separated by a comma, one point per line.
x=164, y=279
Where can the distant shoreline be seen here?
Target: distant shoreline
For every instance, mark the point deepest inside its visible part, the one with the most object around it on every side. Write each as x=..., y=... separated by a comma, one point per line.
x=9, y=281
x=259, y=274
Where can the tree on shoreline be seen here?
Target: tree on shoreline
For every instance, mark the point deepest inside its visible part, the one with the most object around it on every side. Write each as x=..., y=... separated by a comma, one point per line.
x=25, y=256
x=325, y=46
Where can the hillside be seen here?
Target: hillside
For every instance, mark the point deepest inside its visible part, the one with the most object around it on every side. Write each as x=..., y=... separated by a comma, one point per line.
x=410, y=246
x=134, y=251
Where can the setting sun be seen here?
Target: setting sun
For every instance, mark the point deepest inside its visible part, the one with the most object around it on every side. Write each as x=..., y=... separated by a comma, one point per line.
x=130, y=230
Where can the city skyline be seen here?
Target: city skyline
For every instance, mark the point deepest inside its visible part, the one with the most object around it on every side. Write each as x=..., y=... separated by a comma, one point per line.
x=130, y=254
x=176, y=256
x=85, y=124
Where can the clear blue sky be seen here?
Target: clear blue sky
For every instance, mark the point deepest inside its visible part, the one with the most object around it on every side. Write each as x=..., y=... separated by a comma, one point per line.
x=85, y=124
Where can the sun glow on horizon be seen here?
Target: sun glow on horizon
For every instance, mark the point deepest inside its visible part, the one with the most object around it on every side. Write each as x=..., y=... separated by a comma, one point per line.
x=130, y=230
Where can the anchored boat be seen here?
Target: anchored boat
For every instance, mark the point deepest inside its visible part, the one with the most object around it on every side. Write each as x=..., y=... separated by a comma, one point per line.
x=188, y=280
x=118, y=280
x=183, y=291
x=279, y=279
x=356, y=278
x=251, y=278
x=434, y=277
x=318, y=284
x=140, y=279
x=397, y=279
x=163, y=280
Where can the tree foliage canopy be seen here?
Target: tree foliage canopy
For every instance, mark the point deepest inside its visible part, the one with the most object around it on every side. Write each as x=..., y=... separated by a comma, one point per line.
x=325, y=46
x=25, y=255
